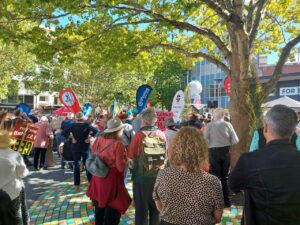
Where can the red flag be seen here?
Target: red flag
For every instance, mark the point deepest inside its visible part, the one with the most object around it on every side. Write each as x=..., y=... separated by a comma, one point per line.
x=68, y=98
x=227, y=85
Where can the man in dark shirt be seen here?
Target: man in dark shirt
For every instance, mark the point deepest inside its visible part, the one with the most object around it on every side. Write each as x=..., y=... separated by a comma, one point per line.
x=270, y=175
x=80, y=132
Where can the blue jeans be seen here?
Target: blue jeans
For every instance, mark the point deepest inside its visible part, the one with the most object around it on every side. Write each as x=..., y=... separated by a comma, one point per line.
x=77, y=160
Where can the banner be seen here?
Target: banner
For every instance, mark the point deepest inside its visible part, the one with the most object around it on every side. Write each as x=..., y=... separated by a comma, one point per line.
x=178, y=105
x=68, y=98
x=23, y=108
x=87, y=109
x=142, y=95
x=161, y=119
x=227, y=85
x=114, y=108
x=24, y=134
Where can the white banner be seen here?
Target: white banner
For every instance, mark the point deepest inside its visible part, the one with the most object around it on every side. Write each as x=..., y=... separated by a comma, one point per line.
x=178, y=105
x=289, y=91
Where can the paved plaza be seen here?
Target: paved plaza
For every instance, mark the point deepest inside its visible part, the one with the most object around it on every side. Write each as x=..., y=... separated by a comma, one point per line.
x=53, y=200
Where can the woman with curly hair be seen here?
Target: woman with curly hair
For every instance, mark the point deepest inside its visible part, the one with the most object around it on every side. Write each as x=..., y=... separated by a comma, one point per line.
x=184, y=193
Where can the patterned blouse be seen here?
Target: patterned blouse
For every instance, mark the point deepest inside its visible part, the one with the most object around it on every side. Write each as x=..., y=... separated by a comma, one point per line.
x=188, y=198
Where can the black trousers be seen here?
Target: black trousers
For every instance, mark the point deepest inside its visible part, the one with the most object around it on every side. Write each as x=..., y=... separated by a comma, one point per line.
x=144, y=204
x=37, y=153
x=107, y=216
x=219, y=159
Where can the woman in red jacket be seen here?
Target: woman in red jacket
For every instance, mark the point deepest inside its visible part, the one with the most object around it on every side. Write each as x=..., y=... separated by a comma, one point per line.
x=109, y=194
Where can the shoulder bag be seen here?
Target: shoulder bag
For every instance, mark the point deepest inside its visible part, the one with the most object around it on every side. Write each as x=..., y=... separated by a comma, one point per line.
x=95, y=165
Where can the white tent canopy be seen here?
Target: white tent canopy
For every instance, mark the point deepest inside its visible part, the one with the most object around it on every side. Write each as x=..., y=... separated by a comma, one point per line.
x=283, y=101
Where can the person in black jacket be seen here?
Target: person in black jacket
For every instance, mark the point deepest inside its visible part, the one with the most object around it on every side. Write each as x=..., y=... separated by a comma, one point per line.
x=270, y=176
x=81, y=132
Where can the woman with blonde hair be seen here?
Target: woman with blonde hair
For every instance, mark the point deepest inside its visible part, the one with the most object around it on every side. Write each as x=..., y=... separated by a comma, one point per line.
x=184, y=193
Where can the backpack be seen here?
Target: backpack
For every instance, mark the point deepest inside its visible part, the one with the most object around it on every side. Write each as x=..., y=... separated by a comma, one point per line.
x=152, y=157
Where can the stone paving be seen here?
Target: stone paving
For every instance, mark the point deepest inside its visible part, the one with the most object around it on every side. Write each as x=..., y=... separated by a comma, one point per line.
x=64, y=204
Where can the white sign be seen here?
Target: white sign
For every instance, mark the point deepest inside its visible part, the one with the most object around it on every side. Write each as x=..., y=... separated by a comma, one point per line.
x=178, y=105
x=289, y=91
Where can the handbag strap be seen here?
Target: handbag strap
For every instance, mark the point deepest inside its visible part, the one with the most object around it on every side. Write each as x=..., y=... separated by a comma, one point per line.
x=106, y=147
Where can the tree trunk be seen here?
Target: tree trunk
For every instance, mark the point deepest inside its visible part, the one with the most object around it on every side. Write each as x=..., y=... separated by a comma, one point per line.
x=241, y=107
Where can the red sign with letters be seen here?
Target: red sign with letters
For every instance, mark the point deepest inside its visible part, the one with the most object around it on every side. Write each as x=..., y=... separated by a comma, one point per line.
x=161, y=119
x=24, y=134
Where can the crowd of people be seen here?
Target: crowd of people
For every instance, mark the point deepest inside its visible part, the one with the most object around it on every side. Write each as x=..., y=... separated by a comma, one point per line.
x=180, y=176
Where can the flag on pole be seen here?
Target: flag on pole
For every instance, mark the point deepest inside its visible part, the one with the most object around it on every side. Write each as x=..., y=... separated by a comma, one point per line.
x=114, y=109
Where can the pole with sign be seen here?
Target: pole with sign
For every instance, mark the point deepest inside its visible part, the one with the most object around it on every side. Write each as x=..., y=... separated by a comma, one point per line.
x=68, y=98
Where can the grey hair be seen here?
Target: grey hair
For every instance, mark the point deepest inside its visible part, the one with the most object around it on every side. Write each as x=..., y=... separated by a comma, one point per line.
x=281, y=121
x=218, y=114
x=149, y=116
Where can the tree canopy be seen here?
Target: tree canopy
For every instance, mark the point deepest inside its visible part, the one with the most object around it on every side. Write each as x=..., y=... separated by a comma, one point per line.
x=140, y=35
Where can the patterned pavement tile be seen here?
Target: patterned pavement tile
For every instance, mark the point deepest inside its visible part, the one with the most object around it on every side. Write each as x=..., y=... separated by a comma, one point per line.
x=64, y=204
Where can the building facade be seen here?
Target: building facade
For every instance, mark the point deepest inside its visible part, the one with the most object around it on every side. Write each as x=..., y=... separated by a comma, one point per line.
x=212, y=80
x=34, y=101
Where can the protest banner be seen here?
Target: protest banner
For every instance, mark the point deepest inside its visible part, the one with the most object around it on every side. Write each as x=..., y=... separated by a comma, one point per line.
x=227, y=85
x=68, y=98
x=178, y=105
x=142, y=95
x=24, y=134
x=87, y=109
x=161, y=119
x=23, y=108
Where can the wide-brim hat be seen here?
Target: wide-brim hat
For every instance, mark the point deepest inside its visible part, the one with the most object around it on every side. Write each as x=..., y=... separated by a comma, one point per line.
x=5, y=139
x=44, y=119
x=113, y=125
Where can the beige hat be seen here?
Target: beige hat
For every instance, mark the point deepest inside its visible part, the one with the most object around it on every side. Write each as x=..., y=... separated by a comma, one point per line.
x=114, y=125
x=5, y=140
x=170, y=122
x=44, y=119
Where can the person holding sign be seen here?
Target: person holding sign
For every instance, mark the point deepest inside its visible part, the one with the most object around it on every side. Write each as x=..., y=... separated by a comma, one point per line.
x=12, y=170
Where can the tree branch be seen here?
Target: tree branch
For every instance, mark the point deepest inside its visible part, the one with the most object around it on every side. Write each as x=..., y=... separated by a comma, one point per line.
x=275, y=20
x=211, y=59
x=110, y=27
x=37, y=17
x=216, y=6
x=178, y=24
x=260, y=11
x=238, y=6
x=249, y=22
x=279, y=66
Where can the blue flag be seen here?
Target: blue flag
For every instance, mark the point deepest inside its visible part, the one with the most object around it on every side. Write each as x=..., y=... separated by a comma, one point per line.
x=142, y=95
x=23, y=108
x=87, y=109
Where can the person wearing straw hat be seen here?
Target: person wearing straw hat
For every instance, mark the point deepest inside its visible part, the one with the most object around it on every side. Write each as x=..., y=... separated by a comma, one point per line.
x=109, y=194
x=12, y=170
